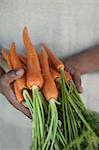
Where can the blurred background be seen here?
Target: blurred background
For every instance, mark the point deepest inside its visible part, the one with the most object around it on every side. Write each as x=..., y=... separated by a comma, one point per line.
x=67, y=27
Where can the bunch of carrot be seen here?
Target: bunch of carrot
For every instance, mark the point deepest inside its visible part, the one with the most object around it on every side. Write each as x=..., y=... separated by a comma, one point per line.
x=58, y=120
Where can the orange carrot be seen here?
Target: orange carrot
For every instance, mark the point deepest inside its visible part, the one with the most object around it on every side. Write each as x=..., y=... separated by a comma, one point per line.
x=6, y=57
x=34, y=76
x=55, y=74
x=18, y=93
x=50, y=62
x=23, y=59
x=55, y=61
x=21, y=83
x=50, y=92
x=49, y=87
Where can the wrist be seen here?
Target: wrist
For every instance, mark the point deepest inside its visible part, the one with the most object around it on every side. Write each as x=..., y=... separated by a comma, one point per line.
x=86, y=61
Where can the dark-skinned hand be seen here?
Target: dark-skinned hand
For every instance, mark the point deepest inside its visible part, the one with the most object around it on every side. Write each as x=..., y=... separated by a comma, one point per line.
x=5, y=88
x=74, y=71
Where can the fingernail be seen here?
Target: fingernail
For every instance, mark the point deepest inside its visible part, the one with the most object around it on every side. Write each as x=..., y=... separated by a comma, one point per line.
x=20, y=72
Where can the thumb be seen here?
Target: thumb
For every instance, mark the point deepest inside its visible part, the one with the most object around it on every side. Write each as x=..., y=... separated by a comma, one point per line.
x=12, y=75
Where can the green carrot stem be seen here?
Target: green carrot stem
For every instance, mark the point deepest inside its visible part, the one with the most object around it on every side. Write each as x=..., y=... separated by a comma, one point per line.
x=38, y=120
x=44, y=102
x=73, y=122
x=61, y=137
x=79, y=114
x=40, y=117
x=28, y=100
x=52, y=129
x=63, y=109
x=54, y=110
x=74, y=105
x=80, y=139
x=49, y=133
x=41, y=105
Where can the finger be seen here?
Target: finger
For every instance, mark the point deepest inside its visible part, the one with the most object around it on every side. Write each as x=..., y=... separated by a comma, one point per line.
x=77, y=79
x=11, y=76
x=13, y=101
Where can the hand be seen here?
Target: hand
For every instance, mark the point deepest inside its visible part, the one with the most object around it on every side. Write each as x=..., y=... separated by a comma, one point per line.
x=71, y=67
x=5, y=88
